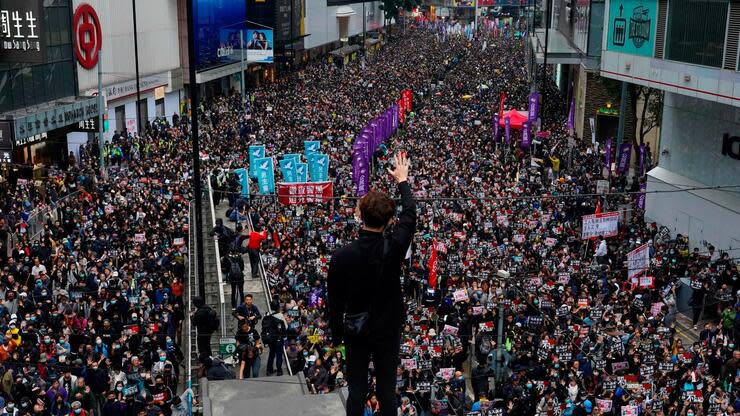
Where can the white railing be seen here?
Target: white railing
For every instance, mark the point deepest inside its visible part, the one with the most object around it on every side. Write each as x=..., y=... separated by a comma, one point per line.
x=221, y=296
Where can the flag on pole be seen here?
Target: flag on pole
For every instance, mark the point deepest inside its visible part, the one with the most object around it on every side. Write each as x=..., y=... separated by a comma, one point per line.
x=432, y=265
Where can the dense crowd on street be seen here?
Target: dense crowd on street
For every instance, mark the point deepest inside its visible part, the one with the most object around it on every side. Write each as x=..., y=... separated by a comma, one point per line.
x=92, y=302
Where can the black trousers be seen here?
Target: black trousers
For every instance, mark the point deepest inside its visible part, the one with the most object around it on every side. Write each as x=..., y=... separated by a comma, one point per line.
x=237, y=293
x=384, y=354
x=204, y=343
x=254, y=261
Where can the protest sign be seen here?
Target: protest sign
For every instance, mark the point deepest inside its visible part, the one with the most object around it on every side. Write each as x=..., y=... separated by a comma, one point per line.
x=638, y=260
x=605, y=225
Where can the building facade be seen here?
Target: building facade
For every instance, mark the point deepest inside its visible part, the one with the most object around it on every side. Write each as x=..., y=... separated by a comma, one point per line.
x=655, y=43
x=39, y=101
x=154, y=43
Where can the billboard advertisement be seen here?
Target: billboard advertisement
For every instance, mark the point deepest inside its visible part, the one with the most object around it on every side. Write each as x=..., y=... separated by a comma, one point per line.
x=22, y=32
x=260, y=45
x=217, y=26
x=632, y=26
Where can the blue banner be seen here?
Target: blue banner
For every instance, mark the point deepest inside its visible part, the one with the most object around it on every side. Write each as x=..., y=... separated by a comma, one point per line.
x=265, y=175
x=295, y=156
x=301, y=172
x=288, y=168
x=319, y=167
x=311, y=147
x=255, y=152
x=243, y=181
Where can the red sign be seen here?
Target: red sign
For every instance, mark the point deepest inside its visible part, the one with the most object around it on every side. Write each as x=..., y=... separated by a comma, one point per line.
x=87, y=36
x=304, y=193
x=406, y=96
x=401, y=111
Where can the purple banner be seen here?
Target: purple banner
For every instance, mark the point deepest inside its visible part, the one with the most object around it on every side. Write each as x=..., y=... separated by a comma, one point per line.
x=623, y=161
x=642, y=159
x=507, y=125
x=526, y=135
x=571, y=114
x=641, y=196
x=534, y=106
x=608, y=153
x=495, y=128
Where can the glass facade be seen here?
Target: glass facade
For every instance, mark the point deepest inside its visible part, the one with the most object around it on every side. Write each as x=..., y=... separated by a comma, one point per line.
x=23, y=85
x=696, y=31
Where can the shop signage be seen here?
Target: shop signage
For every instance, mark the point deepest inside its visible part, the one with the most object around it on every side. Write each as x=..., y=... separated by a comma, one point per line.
x=30, y=139
x=731, y=146
x=608, y=111
x=87, y=36
x=632, y=26
x=54, y=118
x=6, y=156
x=124, y=89
x=91, y=125
x=21, y=31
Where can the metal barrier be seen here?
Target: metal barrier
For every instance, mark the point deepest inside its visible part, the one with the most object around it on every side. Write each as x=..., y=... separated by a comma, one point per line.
x=221, y=296
x=39, y=217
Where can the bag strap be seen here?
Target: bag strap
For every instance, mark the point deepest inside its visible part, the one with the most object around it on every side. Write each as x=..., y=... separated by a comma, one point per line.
x=376, y=286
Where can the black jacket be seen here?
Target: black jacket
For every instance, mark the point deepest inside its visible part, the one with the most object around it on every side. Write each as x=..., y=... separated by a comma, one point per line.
x=353, y=272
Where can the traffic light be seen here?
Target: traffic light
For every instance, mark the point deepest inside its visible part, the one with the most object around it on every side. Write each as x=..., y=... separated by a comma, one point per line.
x=105, y=122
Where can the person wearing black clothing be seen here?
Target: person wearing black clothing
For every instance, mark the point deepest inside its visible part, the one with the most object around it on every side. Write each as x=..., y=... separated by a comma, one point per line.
x=357, y=273
x=203, y=321
x=233, y=264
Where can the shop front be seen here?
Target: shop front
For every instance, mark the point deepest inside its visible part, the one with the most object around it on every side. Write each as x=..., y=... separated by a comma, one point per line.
x=38, y=141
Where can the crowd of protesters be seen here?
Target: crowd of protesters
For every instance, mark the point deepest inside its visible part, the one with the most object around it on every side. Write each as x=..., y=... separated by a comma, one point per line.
x=578, y=336
x=92, y=285
x=92, y=303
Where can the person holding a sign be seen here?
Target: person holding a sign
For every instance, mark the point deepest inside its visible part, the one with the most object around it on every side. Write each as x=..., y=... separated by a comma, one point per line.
x=368, y=320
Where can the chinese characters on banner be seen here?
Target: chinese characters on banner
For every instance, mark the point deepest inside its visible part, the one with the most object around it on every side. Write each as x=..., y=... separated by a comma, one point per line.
x=21, y=31
x=304, y=193
x=638, y=260
x=595, y=225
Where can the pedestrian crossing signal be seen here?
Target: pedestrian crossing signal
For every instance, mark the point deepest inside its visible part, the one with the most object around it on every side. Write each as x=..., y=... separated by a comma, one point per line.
x=105, y=122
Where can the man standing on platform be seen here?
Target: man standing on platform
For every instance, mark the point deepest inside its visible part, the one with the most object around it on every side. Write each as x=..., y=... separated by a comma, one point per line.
x=365, y=301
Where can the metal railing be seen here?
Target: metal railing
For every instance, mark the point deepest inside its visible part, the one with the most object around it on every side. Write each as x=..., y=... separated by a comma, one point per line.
x=39, y=217
x=221, y=296
x=266, y=289
x=190, y=331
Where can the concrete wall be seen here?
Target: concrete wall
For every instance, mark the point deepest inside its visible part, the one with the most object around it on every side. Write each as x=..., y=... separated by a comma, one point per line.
x=323, y=26
x=710, y=216
x=692, y=134
x=157, y=38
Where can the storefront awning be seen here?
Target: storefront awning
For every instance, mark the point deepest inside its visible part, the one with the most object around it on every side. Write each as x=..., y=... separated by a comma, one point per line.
x=345, y=50
x=559, y=49
x=33, y=121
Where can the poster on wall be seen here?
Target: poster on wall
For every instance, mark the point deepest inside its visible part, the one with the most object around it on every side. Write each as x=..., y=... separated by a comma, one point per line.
x=632, y=26
x=259, y=45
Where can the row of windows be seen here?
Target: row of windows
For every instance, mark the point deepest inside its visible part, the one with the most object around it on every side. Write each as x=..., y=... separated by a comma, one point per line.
x=697, y=31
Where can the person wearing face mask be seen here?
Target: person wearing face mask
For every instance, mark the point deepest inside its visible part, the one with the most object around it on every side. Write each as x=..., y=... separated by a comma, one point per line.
x=161, y=394
x=180, y=403
x=77, y=409
x=113, y=406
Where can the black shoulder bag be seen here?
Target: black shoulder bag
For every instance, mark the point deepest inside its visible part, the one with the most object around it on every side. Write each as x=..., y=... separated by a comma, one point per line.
x=356, y=324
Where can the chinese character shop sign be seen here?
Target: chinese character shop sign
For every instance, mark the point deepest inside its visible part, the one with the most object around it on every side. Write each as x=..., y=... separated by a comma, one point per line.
x=88, y=38
x=21, y=31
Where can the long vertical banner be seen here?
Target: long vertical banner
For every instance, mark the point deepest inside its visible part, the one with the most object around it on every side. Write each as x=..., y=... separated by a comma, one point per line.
x=288, y=169
x=265, y=175
x=496, y=120
x=255, y=152
x=534, y=106
x=526, y=135
x=507, y=127
x=243, y=175
x=623, y=163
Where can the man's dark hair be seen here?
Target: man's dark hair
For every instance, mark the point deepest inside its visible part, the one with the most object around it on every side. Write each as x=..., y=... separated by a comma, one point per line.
x=376, y=209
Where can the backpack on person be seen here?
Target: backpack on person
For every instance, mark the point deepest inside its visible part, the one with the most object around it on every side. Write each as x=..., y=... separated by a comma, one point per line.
x=213, y=322
x=235, y=272
x=272, y=329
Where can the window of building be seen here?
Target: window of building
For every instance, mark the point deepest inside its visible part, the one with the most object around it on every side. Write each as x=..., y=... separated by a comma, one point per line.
x=687, y=44
x=159, y=107
x=143, y=114
x=120, y=118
